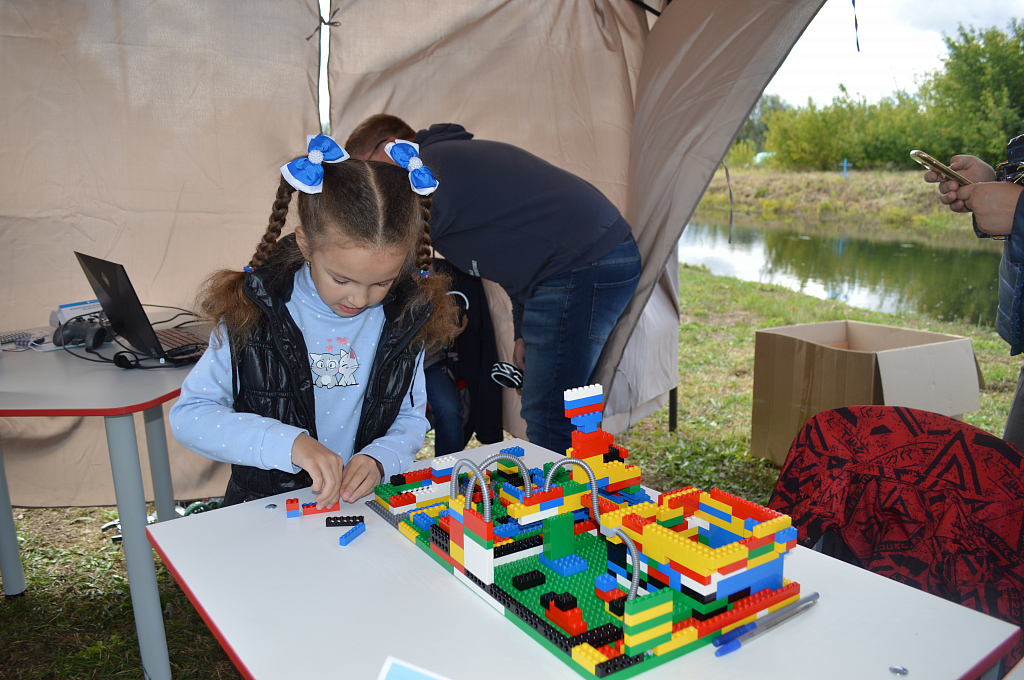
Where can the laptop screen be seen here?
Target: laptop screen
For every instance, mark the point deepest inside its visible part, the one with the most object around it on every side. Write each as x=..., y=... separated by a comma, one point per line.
x=120, y=303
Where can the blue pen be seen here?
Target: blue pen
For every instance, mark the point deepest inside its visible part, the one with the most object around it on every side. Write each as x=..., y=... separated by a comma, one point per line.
x=738, y=642
x=761, y=622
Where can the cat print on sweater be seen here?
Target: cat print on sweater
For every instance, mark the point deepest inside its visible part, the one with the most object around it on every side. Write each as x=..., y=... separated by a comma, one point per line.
x=334, y=370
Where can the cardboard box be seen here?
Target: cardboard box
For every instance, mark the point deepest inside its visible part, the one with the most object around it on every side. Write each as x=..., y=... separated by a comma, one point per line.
x=800, y=371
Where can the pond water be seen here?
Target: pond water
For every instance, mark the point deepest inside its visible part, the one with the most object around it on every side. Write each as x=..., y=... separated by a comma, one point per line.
x=893, y=277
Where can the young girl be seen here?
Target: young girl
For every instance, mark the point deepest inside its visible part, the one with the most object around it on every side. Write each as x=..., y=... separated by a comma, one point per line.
x=314, y=374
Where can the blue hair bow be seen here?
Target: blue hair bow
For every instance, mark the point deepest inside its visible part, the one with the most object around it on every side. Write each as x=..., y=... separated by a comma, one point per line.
x=307, y=174
x=407, y=155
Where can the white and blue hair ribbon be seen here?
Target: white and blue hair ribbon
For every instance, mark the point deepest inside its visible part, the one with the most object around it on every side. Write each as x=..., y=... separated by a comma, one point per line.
x=407, y=155
x=307, y=174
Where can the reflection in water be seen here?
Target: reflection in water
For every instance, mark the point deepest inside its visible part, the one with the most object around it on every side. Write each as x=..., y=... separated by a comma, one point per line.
x=886, y=277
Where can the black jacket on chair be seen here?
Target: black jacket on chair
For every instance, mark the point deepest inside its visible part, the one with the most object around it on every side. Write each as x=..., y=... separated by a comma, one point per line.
x=271, y=375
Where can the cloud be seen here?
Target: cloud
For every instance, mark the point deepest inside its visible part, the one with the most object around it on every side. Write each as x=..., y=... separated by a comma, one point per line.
x=944, y=16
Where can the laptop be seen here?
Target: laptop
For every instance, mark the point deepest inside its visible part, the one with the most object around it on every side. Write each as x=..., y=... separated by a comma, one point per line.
x=126, y=316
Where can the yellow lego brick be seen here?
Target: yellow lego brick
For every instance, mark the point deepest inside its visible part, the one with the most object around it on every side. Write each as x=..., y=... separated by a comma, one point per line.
x=735, y=526
x=588, y=657
x=696, y=556
x=679, y=638
x=657, y=631
x=434, y=510
x=458, y=504
x=771, y=526
x=784, y=603
x=706, y=499
x=408, y=531
x=571, y=503
x=645, y=616
x=518, y=510
x=763, y=559
x=503, y=542
x=666, y=513
x=456, y=553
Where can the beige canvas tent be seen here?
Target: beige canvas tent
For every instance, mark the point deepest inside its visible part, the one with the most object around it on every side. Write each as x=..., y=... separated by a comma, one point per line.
x=150, y=134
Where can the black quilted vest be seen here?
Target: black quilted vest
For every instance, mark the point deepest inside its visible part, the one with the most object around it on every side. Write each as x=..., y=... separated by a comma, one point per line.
x=271, y=374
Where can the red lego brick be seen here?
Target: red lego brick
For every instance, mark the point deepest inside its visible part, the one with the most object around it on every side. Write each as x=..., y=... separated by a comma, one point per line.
x=474, y=521
x=401, y=499
x=538, y=497
x=570, y=621
x=456, y=533
x=636, y=522
x=609, y=652
x=310, y=509
x=632, y=481
x=603, y=504
x=584, y=526
x=291, y=505
x=609, y=595
x=447, y=558
x=580, y=410
x=621, y=450
x=590, y=444
x=742, y=508
x=689, y=573
x=444, y=523
x=691, y=499
x=753, y=543
x=748, y=606
x=735, y=566
x=420, y=475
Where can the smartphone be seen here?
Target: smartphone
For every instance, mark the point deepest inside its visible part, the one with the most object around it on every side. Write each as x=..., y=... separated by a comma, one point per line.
x=942, y=169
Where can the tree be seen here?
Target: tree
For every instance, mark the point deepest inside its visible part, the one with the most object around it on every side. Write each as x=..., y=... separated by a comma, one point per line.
x=977, y=99
x=756, y=126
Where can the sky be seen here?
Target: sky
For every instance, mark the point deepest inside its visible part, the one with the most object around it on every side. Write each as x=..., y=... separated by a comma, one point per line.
x=900, y=41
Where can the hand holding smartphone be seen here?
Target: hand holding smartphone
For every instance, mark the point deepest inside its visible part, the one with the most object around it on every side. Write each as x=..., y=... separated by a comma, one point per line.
x=943, y=170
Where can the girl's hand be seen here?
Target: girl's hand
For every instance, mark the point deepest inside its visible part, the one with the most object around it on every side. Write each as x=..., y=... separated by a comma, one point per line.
x=323, y=465
x=361, y=475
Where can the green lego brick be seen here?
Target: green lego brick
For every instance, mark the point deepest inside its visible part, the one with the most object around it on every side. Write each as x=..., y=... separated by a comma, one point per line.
x=681, y=610
x=570, y=488
x=479, y=541
x=637, y=629
x=639, y=605
x=633, y=650
x=559, y=536
x=763, y=550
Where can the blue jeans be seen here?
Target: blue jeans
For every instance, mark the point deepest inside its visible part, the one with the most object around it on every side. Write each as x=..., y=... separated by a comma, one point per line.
x=565, y=325
x=445, y=409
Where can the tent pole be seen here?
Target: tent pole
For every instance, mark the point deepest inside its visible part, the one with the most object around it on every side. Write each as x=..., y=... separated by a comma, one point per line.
x=673, y=405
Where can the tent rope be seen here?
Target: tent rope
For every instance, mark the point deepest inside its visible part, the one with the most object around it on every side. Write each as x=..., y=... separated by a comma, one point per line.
x=728, y=183
x=855, y=36
x=647, y=7
x=325, y=22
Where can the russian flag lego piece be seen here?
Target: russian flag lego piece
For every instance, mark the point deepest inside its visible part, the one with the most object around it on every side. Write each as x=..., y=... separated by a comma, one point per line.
x=583, y=396
x=291, y=507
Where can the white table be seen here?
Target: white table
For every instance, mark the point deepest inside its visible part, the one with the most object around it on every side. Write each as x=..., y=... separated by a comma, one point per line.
x=34, y=384
x=285, y=600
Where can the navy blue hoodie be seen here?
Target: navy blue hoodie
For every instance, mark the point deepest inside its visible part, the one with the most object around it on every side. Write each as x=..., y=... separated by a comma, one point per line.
x=503, y=214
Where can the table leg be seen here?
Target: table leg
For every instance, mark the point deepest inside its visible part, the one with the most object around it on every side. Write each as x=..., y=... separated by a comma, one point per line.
x=138, y=555
x=10, y=555
x=159, y=462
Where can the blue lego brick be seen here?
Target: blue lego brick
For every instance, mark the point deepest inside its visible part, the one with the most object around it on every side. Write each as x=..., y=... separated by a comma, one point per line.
x=580, y=402
x=715, y=512
x=617, y=569
x=509, y=530
x=581, y=514
x=422, y=520
x=516, y=451
x=785, y=535
x=768, y=575
x=586, y=418
x=294, y=513
x=553, y=503
x=455, y=514
x=718, y=537
x=605, y=582
x=532, y=526
x=749, y=523
x=514, y=491
x=351, y=534
x=565, y=566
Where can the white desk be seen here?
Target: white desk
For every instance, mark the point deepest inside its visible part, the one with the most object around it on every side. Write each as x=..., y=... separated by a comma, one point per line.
x=36, y=384
x=285, y=600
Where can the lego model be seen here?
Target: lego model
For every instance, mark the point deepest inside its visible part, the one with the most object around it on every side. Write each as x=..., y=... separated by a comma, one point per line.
x=584, y=561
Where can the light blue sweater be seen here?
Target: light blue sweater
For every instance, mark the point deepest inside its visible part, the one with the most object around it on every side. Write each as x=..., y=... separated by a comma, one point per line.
x=341, y=357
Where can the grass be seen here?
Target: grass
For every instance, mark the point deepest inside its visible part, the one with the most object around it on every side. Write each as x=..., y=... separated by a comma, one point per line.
x=881, y=203
x=75, y=620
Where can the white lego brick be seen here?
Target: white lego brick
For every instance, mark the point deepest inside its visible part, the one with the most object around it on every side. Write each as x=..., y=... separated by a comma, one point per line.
x=443, y=463
x=516, y=556
x=538, y=516
x=583, y=392
x=429, y=493
x=479, y=560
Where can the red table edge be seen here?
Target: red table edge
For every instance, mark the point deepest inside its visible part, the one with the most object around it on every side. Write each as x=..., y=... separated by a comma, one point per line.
x=116, y=411
x=202, y=612
x=979, y=669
